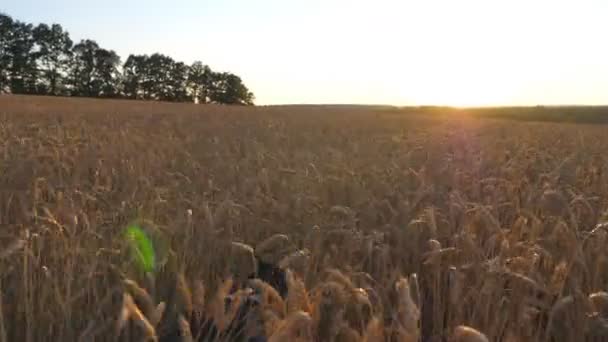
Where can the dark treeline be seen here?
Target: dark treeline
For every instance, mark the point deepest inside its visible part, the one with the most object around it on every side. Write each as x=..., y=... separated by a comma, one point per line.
x=43, y=60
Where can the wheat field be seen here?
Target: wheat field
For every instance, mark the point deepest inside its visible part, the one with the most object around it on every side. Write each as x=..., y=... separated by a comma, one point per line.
x=389, y=225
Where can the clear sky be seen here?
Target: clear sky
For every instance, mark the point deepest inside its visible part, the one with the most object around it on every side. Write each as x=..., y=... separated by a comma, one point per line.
x=401, y=52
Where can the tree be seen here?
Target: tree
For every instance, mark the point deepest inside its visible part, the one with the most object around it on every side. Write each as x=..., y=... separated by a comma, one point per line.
x=44, y=60
x=178, y=83
x=133, y=76
x=53, y=55
x=156, y=77
x=200, y=81
x=22, y=69
x=229, y=89
x=158, y=72
x=6, y=32
x=94, y=71
x=106, y=82
x=83, y=67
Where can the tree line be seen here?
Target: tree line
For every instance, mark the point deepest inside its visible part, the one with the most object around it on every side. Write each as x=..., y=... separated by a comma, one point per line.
x=43, y=60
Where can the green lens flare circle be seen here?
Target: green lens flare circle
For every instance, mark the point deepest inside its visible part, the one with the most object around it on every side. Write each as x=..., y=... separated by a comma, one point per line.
x=142, y=248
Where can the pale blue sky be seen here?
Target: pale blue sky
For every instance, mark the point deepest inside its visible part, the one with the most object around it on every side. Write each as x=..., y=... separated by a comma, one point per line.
x=402, y=52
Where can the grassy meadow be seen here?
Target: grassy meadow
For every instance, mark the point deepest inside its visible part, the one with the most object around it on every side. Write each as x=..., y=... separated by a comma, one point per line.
x=420, y=224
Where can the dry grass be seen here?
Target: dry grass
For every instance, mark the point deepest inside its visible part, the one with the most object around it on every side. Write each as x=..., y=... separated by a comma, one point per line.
x=395, y=227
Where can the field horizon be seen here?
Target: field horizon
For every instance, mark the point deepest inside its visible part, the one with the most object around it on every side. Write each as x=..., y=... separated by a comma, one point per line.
x=295, y=104
x=542, y=113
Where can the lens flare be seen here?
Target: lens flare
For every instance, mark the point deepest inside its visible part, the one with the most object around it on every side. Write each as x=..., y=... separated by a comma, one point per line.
x=142, y=248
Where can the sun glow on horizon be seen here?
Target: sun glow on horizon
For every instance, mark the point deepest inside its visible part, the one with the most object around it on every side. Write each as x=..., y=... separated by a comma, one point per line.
x=465, y=53
x=399, y=52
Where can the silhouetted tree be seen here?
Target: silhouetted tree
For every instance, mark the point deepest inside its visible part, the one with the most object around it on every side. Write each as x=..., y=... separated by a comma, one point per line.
x=178, y=83
x=6, y=32
x=94, y=71
x=200, y=81
x=156, y=77
x=43, y=60
x=83, y=67
x=22, y=69
x=133, y=76
x=53, y=55
x=229, y=89
x=106, y=82
x=159, y=73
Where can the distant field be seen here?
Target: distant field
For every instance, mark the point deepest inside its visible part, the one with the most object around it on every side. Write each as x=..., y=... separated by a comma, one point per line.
x=399, y=225
x=572, y=114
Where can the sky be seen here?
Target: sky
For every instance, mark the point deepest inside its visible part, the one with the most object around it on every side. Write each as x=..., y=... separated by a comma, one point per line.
x=399, y=52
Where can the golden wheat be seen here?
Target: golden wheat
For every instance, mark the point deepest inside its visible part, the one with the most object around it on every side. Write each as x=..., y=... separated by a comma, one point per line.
x=389, y=224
